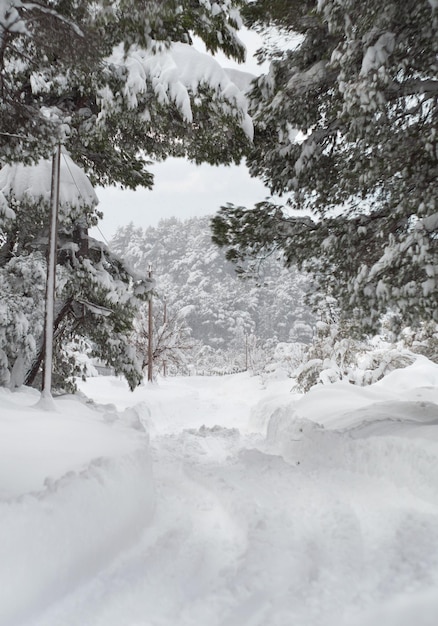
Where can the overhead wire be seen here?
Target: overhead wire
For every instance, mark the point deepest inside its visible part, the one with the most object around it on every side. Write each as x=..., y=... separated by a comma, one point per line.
x=82, y=196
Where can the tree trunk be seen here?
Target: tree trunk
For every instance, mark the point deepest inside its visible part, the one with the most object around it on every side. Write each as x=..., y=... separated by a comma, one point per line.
x=35, y=366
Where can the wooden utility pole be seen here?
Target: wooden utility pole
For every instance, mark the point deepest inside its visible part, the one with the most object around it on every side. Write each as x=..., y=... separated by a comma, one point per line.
x=150, y=332
x=46, y=391
x=164, y=325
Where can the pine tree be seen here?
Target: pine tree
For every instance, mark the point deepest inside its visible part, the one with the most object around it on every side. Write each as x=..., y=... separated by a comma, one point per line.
x=96, y=297
x=119, y=83
x=346, y=128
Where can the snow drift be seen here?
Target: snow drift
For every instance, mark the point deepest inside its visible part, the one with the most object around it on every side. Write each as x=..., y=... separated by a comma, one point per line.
x=60, y=534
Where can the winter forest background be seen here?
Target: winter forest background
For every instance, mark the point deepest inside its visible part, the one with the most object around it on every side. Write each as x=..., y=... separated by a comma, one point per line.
x=340, y=278
x=216, y=322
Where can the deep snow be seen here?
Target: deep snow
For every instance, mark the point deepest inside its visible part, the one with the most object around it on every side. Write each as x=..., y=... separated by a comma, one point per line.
x=222, y=502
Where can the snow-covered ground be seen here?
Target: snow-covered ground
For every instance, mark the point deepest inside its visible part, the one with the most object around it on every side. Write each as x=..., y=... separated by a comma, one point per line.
x=222, y=502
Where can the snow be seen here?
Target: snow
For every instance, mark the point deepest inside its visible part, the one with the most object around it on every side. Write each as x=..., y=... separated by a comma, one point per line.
x=33, y=182
x=5, y=211
x=10, y=18
x=430, y=223
x=304, y=81
x=222, y=501
x=175, y=73
x=377, y=54
x=242, y=80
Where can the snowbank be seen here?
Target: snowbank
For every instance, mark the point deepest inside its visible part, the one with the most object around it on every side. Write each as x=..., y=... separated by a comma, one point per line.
x=408, y=393
x=72, y=486
x=386, y=429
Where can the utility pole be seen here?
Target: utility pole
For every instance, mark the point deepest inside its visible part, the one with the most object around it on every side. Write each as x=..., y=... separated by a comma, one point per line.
x=164, y=324
x=46, y=391
x=150, y=331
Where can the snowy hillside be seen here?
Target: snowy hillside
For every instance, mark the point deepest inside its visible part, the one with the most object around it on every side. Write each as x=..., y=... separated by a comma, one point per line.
x=192, y=273
x=222, y=501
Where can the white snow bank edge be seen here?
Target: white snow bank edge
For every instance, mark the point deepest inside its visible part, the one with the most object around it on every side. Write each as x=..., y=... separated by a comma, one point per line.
x=88, y=518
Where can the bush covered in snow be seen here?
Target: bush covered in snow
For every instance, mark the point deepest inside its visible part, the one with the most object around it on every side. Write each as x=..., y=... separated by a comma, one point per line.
x=336, y=354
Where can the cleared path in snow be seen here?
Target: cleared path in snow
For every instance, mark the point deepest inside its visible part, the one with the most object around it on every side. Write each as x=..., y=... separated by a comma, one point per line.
x=242, y=537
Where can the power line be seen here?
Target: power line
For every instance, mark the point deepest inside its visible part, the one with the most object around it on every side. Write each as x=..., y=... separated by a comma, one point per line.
x=82, y=196
x=102, y=235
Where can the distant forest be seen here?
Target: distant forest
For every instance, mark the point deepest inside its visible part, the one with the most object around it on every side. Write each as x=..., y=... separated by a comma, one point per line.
x=220, y=308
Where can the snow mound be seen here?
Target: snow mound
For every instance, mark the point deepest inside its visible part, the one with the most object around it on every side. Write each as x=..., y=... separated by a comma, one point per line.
x=265, y=410
x=84, y=517
x=370, y=431
x=137, y=417
x=286, y=427
x=301, y=441
x=82, y=520
x=421, y=374
x=342, y=404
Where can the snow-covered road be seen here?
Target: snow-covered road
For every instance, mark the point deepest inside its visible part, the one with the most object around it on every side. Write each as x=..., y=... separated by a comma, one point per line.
x=308, y=526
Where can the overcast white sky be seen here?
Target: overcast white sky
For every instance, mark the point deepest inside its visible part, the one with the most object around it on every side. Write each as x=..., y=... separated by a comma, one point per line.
x=182, y=189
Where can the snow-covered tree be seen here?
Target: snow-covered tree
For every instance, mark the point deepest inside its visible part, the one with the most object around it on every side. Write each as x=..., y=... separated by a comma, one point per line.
x=22, y=285
x=422, y=340
x=229, y=315
x=96, y=295
x=346, y=127
x=337, y=353
x=119, y=83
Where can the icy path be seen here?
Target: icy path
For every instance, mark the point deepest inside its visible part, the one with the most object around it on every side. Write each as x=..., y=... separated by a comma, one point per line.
x=343, y=532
